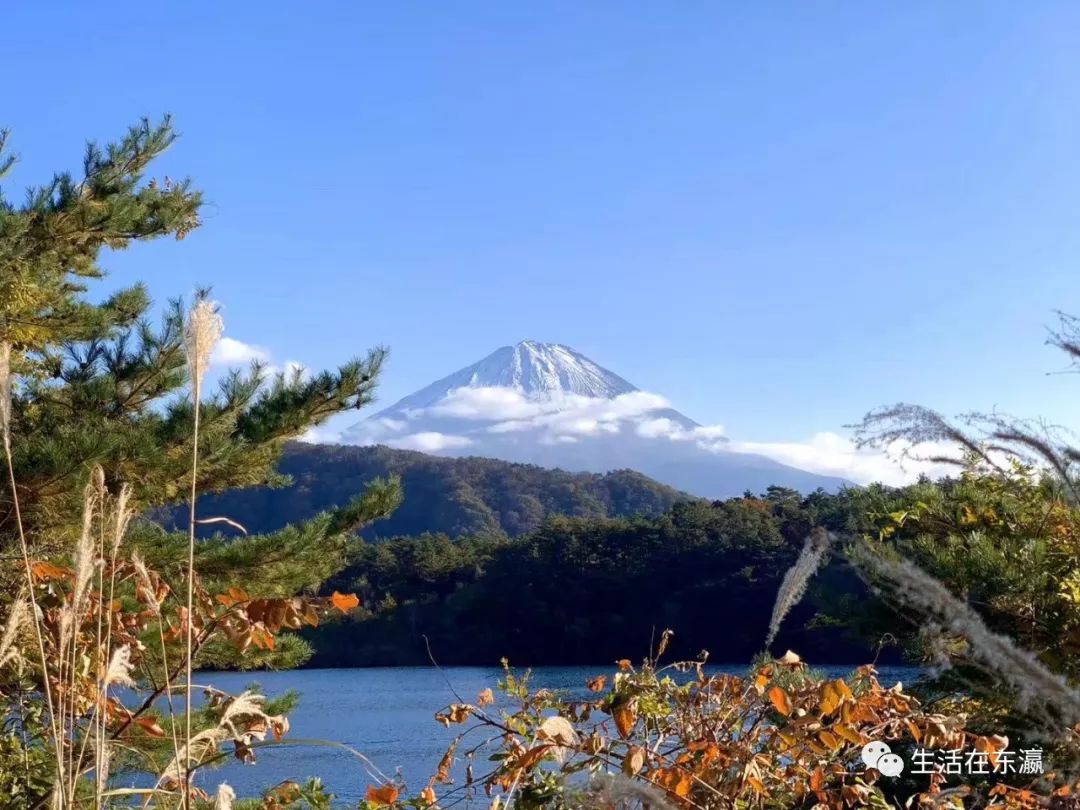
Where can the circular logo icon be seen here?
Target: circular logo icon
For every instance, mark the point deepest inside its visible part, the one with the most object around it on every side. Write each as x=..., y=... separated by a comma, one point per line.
x=873, y=751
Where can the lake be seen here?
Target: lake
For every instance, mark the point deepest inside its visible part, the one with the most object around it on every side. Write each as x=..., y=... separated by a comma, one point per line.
x=387, y=714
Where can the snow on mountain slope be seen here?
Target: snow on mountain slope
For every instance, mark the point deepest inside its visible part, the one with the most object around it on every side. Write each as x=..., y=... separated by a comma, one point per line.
x=544, y=403
x=536, y=370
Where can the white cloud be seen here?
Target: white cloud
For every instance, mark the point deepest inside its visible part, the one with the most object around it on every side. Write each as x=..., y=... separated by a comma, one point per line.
x=320, y=435
x=556, y=418
x=483, y=403
x=832, y=454
x=568, y=418
x=430, y=442
x=498, y=404
x=232, y=352
x=707, y=437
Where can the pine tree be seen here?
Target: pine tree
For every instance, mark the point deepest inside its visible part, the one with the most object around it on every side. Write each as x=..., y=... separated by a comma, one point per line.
x=96, y=386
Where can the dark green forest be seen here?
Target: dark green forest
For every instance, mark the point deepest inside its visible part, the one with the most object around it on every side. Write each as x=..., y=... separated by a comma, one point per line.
x=454, y=496
x=587, y=590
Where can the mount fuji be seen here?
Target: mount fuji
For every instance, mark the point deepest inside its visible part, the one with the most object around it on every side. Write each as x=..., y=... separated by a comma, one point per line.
x=547, y=404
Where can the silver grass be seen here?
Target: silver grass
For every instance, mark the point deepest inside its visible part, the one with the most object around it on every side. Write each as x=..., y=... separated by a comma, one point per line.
x=5, y=389
x=5, y=434
x=796, y=579
x=16, y=620
x=618, y=791
x=121, y=516
x=223, y=800
x=142, y=574
x=193, y=752
x=201, y=333
x=119, y=672
x=1039, y=691
x=101, y=767
x=85, y=558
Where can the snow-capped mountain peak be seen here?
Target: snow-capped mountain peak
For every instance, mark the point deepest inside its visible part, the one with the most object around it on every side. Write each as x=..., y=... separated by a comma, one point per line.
x=545, y=403
x=532, y=368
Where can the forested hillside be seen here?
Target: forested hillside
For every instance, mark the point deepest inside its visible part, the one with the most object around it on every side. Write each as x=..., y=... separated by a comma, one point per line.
x=587, y=590
x=455, y=496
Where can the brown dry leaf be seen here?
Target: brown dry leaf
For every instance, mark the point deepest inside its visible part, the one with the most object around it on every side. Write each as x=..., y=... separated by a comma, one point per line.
x=675, y=780
x=428, y=795
x=817, y=779
x=762, y=679
x=790, y=659
x=594, y=744
x=634, y=761
x=625, y=716
x=46, y=571
x=624, y=664
x=847, y=733
x=385, y=795
x=287, y=791
x=830, y=740
x=150, y=726
x=344, y=601
x=279, y=726
x=780, y=700
x=532, y=756
x=597, y=684
x=830, y=698
x=486, y=698
x=665, y=639
x=443, y=772
x=914, y=729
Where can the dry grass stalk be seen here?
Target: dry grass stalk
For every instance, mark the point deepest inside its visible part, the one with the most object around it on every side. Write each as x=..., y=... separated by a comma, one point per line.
x=796, y=579
x=5, y=434
x=16, y=620
x=1046, y=696
x=201, y=334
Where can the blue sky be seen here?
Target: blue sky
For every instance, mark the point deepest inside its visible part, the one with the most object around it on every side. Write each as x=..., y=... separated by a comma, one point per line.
x=776, y=215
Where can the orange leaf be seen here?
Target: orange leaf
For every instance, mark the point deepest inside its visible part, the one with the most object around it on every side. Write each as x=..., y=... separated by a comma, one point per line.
x=624, y=664
x=762, y=679
x=597, y=684
x=150, y=726
x=45, y=571
x=428, y=795
x=625, y=717
x=532, y=756
x=830, y=698
x=387, y=794
x=344, y=601
x=817, y=779
x=279, y=726
x=675, y=780
x=780, y=700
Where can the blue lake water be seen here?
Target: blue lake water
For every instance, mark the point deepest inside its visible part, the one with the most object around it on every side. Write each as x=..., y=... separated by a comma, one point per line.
x=385, y=713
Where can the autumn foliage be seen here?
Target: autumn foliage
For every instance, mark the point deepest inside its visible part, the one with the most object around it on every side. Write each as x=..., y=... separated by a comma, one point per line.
x=681, y=736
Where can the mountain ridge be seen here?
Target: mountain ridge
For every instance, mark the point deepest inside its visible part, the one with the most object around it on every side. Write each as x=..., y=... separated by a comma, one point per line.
x=453, y=496
x=548, y=404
